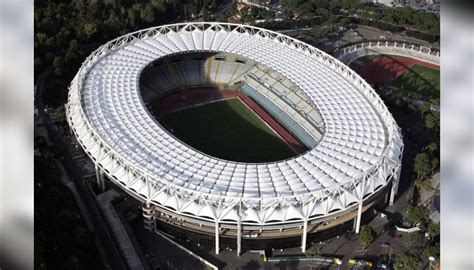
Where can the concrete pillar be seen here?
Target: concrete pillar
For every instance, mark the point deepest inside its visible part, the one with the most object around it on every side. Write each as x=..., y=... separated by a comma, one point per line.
x=370, y=44
x=239, y=237
x=101, y=183
x=359, y=217
x=304, y=236
x=404, y=45
x=394, y=189
x=148, y=216
x=217, y=237
x=99, y=178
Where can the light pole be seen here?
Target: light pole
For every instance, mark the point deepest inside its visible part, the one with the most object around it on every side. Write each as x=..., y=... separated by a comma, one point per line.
x=431, y=259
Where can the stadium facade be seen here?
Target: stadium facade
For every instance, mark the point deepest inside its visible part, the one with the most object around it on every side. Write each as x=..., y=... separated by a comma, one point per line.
x=355, y=146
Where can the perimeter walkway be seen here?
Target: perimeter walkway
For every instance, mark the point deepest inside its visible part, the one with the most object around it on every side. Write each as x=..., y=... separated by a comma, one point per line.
x=118, y=230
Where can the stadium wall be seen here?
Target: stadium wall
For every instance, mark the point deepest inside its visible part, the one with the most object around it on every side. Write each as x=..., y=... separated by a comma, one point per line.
x=425, y=54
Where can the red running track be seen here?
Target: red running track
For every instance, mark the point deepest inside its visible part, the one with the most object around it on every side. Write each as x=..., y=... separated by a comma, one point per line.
x=184, y=99
x=381, y=70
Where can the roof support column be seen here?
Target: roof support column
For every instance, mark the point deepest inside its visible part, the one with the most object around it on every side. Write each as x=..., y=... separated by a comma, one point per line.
x=99, y=178
x=304, y=236
x=66, y=112
x=102, y=180
x=395, y=181
x=217, y=237
x=359, y=217
x=239, y=236
x=148, y=212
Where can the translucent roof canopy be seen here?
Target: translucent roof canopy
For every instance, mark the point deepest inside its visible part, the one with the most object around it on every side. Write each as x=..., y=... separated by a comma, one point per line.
x=357, y=154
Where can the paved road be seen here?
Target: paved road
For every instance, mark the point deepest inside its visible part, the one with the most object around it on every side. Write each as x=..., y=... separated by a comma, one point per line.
x=111, y=251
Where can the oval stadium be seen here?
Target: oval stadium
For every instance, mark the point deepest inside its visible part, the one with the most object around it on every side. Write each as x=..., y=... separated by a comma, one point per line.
x=235, y=136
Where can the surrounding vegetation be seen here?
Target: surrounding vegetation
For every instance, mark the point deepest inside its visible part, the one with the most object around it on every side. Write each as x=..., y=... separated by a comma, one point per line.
x=228, y=130
x=334, y=13
x=67, y=31
x=313, y=252
x=367, y=235
x=62, y=240
x=407, y=261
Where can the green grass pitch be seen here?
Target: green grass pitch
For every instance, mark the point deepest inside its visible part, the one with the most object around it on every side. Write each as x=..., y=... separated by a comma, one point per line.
x=419, y=82
x=228, y=130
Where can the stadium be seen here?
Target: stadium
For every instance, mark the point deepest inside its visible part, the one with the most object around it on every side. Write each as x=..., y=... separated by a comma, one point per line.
x=235, y=136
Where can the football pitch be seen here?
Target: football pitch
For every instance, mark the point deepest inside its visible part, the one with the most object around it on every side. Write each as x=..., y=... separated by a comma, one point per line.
x=228, y=130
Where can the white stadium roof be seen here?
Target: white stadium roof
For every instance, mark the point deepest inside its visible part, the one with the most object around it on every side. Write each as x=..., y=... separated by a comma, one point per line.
x=359, y=152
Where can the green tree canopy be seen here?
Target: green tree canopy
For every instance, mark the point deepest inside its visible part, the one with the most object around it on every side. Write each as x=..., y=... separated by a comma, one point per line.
x=432, y=120
x=433, y=250
x=160, y=5
x=433, y=229
x=306, y=7
x=90, y=28
x=367, y=235
x=313, y=252
x=147, y=13
x=58, y=65
x=407, y=261
x=417, y=214
x=422, y=164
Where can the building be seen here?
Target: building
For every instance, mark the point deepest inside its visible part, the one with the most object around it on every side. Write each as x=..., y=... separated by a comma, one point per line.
x=355, y=146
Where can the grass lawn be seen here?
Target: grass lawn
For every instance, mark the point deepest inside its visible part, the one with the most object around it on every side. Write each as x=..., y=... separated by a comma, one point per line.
x=228, y=130
x=419, y=82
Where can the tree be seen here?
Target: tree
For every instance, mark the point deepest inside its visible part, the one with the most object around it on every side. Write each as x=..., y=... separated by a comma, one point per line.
x=147, y=14
x=191, y=10
x=90, y=29
x=41, y=38
x=51, y=43
x=205, y=14
x=434, y=229
x=407, y=261
x=59, y=113
x=72, y=51
x=367, y=235
x=38, y=62
x=424, y=185
x=306, y=7
x=417, y=214
x=432, y=251
x=432, y=120
x=313, y=252
x=292, y=4
x=416, y=240
x=58, y=65
x=72, y=263
x=160, y=5
x=432, y=147
x=422, y=165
